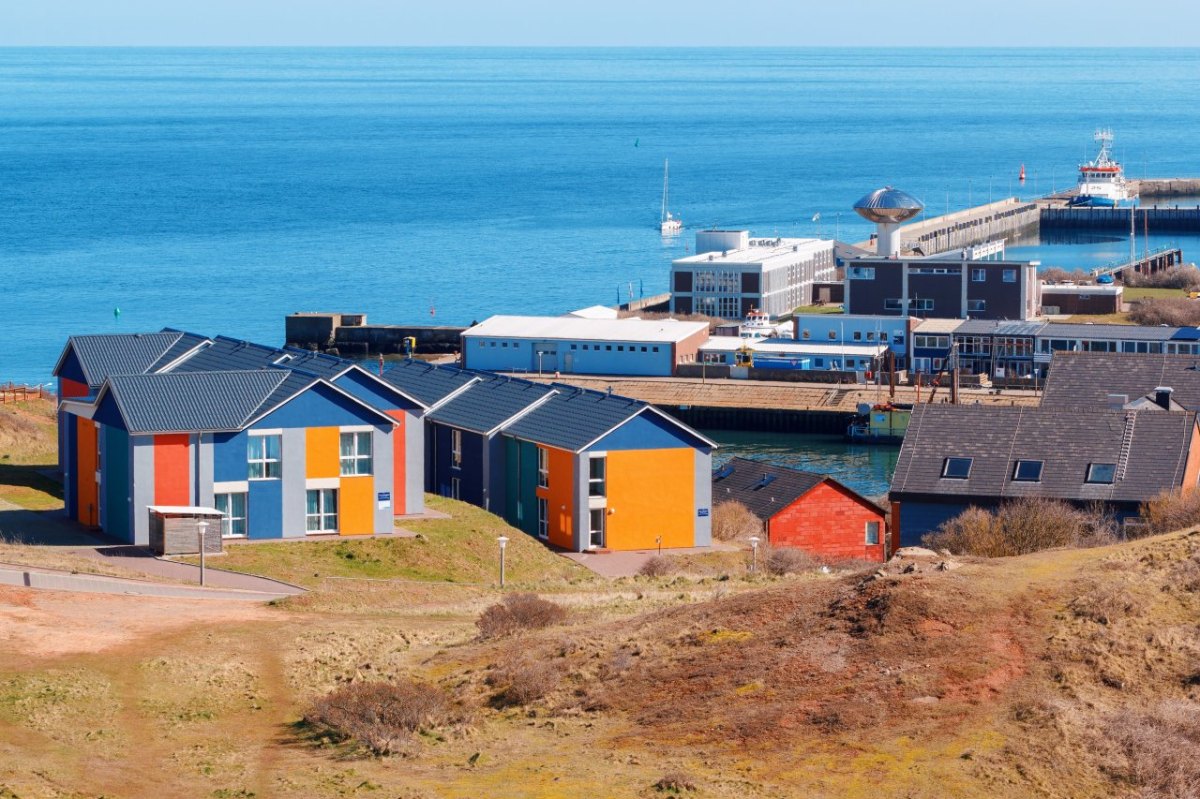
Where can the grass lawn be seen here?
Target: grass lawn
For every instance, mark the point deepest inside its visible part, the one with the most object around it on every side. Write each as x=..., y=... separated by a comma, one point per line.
x=1100, y=319
x=461, y=549
x=29, y=445
x=1136, y=293
x=818, y=309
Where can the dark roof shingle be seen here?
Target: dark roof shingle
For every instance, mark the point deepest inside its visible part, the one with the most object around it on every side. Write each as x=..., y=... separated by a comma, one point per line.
x=575, y=417
x=764, y=488
x=120, y=353
x=489, y=403
x=425, y=381
x=1085, y=379
x=192, y=401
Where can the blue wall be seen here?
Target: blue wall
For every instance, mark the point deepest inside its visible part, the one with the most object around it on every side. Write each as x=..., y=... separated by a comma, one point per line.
x=648, y=430
x=265, y=510
x=919, y=518
x=373, y=393
x=321, y=406
x=229, y=457
x=108, y=414
x=470, y=474
x=69, y=462
x=71, y=368
x=117, y=483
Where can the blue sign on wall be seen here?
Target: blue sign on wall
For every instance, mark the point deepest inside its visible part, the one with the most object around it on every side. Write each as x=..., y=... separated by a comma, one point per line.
x=702, y=512
x=385, y=496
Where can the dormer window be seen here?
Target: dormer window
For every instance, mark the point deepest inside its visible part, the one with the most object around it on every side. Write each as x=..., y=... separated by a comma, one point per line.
x=1027, y=471
x=957, y=468
x=1103, y=473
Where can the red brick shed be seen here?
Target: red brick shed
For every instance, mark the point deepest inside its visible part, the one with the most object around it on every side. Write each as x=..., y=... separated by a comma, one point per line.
x=808, y=511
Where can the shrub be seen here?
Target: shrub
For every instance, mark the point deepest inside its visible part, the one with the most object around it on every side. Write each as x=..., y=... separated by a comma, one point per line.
x=381, y=716
x=1178, y=277
x=1170, y=311
x=1155, y=748
x=522, y=682
x=657, y=566
x=675, y=782
x=1055, y=274
x=787, y=560
x=731, y=520
x=519, y=612
x=1171, y=511
x=1015, y=528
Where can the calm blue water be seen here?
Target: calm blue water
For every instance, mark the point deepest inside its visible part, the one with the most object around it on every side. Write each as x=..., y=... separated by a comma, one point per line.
x=217, y=189
x=866, y=469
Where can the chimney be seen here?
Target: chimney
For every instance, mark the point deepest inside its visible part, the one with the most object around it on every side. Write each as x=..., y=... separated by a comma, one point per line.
x=1162, y=396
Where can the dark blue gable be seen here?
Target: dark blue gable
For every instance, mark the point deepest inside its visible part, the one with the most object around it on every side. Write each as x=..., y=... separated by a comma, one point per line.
x=374, y=392
x=321, y=406
x=648, y=430
x=107, y=413
x=71, y=369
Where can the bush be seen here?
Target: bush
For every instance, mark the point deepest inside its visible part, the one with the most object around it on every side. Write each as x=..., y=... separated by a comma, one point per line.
x=1170, y=311
x=1178, y=277
x=522, y=682
x=1055, y=274
x=731, y=521
x=1171, y=511
x=381, y=716
x=1016, y=528
x=519, y=612
x=1155, y=749
x=657, y=566
x=787, y=560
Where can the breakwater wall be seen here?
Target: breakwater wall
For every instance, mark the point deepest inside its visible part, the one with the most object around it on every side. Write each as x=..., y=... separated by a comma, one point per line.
x=1167, y=187
x=761, y=420
x=1118, y=219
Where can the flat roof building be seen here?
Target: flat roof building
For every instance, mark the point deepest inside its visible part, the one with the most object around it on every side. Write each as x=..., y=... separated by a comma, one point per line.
x=732, y=273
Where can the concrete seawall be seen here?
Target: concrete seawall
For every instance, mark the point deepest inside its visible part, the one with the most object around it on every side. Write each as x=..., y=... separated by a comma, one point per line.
x=1167, y=187
x=1118, y=219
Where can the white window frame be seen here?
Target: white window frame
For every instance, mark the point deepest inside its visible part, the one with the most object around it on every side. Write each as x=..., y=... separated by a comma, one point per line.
x=543, y=521
x=322, y=515
x=227, y=517
x=978, y=275
x=602, y=515
x=543, y=466
x=264, y=460
x=1009, y=276
x=455, y=449
x=357, y=463
x=602, y=459
x=871, y=533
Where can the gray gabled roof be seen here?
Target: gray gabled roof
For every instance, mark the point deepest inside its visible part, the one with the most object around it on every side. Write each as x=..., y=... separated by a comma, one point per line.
x=1066, y=442
x=119, y=353
x=426, y=382
x=764, y=488
x=489, y=403
x=574, y=417
x=1085, y=379
x=191, y=401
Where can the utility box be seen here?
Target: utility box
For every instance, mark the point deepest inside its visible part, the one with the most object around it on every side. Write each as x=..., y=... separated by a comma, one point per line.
x=175, y=530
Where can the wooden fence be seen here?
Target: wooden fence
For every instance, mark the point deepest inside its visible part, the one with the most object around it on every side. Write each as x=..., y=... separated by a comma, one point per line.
x=11, y=392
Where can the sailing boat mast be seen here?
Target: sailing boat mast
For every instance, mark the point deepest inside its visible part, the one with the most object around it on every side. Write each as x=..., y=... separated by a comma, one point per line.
x=667, y=224
x=666, y=164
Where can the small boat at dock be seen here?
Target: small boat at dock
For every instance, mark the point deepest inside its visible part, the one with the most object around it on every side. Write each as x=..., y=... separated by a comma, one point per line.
x=879, y=424
x=668, y=225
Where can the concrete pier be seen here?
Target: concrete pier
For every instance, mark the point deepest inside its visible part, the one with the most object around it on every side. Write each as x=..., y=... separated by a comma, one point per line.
x=1003, y=219
x=1155, y=188
x=1154, y=220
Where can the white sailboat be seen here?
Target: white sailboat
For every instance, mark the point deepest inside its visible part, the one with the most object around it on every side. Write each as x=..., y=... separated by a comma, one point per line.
x=668, y=224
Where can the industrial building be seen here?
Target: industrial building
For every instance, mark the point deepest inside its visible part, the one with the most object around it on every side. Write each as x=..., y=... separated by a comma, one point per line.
x=580, y=470
x=774, y=353
x=732, y=274
x=283, y=442
x=858, y=330
x=1061, y=299
x=805, y=510
x=582, y=345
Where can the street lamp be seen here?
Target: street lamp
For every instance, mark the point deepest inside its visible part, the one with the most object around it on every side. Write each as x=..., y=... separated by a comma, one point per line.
x=201, y=529
x=540, y=353
x=503, y=542
x=754, y=553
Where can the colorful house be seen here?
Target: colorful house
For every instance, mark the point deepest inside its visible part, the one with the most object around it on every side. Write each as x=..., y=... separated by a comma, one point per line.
x=805, y=510
x=958, y=456
x=286, y=443
x=578, y=469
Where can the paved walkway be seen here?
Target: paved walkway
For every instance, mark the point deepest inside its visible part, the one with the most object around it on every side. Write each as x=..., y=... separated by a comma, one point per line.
x=91, y=583
x=143, y=560
x=626, y=563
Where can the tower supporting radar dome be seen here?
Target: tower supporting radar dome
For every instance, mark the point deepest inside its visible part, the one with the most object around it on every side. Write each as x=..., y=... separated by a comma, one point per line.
x=888, y=208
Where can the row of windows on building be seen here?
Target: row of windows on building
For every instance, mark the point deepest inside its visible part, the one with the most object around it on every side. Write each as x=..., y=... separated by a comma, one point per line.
x=320, y=511
x=592, y=347
x=978, y=275
x=882, y=336
x=1027, y=471
x=264, y=455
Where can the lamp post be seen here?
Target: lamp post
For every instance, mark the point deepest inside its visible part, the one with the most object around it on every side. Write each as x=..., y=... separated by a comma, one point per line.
x=754, y=554
x=503, y=542
x=201, y=530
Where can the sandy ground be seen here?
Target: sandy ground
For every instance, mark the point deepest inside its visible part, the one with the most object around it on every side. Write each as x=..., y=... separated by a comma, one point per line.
x=39, y=624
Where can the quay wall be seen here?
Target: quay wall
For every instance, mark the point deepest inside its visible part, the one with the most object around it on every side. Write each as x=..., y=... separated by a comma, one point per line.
x=1167, y=187
x=1118, y=219
x=761, y=420
x=1005, y=219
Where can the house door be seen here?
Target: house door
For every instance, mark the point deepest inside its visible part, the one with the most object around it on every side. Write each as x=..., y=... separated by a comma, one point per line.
x=596, y=527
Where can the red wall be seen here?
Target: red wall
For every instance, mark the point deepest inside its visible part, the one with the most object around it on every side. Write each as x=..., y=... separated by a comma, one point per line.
x=829, y=521
x=172, y=473
x=399, y=463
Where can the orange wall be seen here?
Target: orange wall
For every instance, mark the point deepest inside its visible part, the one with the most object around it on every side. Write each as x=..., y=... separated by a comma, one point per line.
x=87, y=492
x=1191, y=470
x=828, y=521
x=560, y=498
x=321, y=448
x=399, y=440
x=356, y=508
x=172, y=475
x=651, y=493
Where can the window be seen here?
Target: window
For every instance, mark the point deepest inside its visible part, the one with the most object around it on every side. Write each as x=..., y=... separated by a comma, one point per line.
x=455, y=449
x=483, y=343
x=1009, y=275
x=321, y=511
x=262, y=457
x=804, y=334
x=543, y=528
x=978, y=275
x=1027, y=471
x=574, y=346
x=891, y=304
x=872, y=533
x=1101, y=472
x=608, y=348
x=455, y=488
x=596, y=527
x=620, y=348
x=975, y=306
x=861, y=273
x=543, y=467
x=858, y=335
x=654, y=349
x=956, y=468
x=922, y=305
x=233, y=514
x=356, y=453
x=597, y=467
x=833, y=335
x=643, y=349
